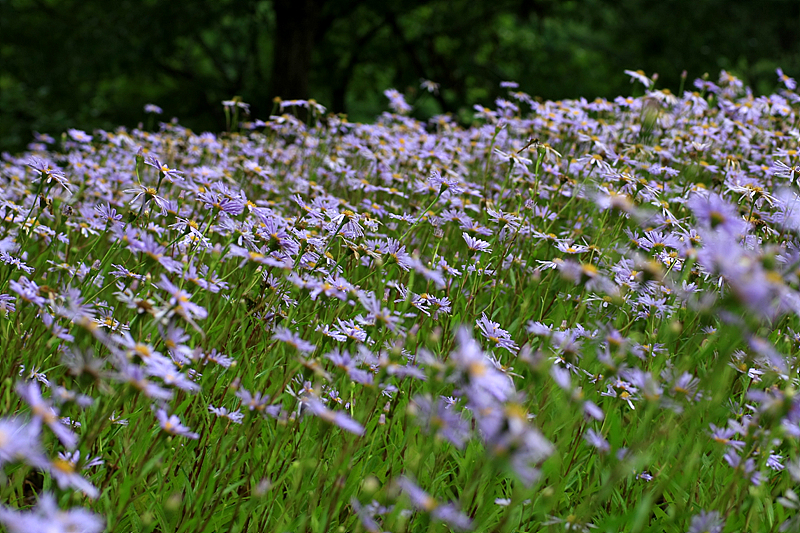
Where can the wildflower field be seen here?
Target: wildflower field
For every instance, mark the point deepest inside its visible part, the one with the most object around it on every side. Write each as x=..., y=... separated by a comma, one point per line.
x=571, y=316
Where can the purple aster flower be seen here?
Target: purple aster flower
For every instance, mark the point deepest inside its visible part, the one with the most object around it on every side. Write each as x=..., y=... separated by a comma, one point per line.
x=236, y=104
x=513, y=157
x=342, y=359
x=170, y=375
x=218, y=358
x=149, y=246
x=274, y=231
x=7, y=304
x=169, y=173
x=253, y=402
x=432, y=275
x=234, y=416
x=44, y=412
x=476, y=245
x=256, y=257
x=657, y=241
x=396, y=253
x=79, y=135
x=790, y=83
x=149, y=194
x=782, y=170
x=20, y=441
x=352, y=330
x=139, y=351
x=447, y=513
x=591, y=410
x=337, y=418
x=397, y=101
x=172, y=425
x=16, y=262
x=714, y=212
x=62, y=395
x=440, y=418
x=293, y=339
x=27, y=291
x=49, y=172
x=485, y=383
x=136, y=376
x=65, y=474
x=108, y=213
x=376, y=313
x=179, y=300
x=218, y=202
x=596, y=440
x=507, y=434
x=707, y=522
x=152, y=108
x=445, y=183
x=686, y=385
x=75, y=459
x=367, y=513
x=47, y=517
x=638, y=75
x=775, y=462
x=345, y=223
x=500, y=337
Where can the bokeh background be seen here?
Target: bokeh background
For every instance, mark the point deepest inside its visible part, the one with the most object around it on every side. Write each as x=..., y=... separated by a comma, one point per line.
x=94, y=63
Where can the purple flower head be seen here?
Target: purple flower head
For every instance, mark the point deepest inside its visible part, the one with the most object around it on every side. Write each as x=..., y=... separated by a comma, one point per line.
x=397, y=101
x=337, y=418
x=179, y=300
x=46, y=517
x=28, y=291
x=234, y=416
x=170, y=375
x=137, y=377
x=163, y=168
x=293, y=339
x=476, y=245
x=396, y=253
x=172, y=425
x=447, y=513
x=638, y=75
x=713, y=212
x=376, y=313
x=485, y=384
x=440, y=418
x=445, y=183
x=49, y=172
x=596, y=440
x=500, y=337
x=149, y=194
x=707, y=522
x=64, y=472
x=220, y=203
x=20, y=441
x=253, y=402
x=788, y=82
x=43, y=412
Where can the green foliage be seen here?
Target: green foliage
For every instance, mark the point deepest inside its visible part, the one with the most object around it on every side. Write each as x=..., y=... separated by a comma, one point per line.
x=91, y=63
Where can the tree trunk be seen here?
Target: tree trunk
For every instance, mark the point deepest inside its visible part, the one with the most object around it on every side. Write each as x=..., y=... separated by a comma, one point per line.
x=295, y=23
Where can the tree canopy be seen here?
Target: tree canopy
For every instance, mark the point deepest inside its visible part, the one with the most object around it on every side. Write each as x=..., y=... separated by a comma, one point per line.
x=91, y=63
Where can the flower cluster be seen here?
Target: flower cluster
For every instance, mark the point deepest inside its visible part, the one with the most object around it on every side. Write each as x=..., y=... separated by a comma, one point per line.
x=571, y=313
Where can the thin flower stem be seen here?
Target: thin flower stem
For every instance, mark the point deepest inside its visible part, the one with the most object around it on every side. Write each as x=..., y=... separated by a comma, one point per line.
x=422, y=215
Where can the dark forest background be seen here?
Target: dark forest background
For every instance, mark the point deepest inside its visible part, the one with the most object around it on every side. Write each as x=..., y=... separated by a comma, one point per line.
x=94, y=63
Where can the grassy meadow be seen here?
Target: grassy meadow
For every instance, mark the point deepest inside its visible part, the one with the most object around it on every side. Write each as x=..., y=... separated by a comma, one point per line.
x=571, y=316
